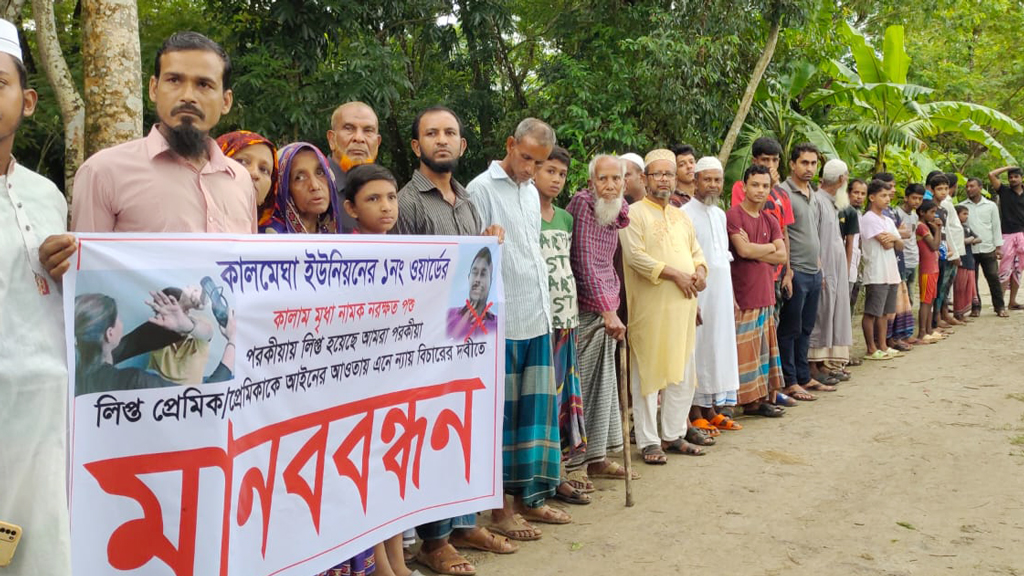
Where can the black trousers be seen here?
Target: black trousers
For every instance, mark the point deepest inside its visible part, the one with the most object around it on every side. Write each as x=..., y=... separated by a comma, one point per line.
x=989, y=265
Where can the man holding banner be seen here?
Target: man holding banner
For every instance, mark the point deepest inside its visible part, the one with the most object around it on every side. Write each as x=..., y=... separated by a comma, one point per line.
x=33, y=377
x=434, y=202
x=505, y=195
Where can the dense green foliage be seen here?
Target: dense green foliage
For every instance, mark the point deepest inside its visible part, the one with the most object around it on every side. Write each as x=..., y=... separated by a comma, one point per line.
x=610, y=75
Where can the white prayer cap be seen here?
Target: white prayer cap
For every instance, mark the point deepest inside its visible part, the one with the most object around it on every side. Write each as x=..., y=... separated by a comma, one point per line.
x=707, y=163
x=634, y=158
x=9, y=39
x=834, y=170
x=659, y=154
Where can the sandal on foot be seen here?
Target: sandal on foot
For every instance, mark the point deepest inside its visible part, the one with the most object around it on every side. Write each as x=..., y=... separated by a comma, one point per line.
x=707, y=427
x=697, y=436
x=654, y=455
x=878, y=355
x=485, y=541
x=613, y=471
x=546, y=515
x=854, y=362
x=516, y=527
x=579, y=480
x=681, y=446
x=723, y=422
x=826, y=379
x=444, y=560
x=765, y=409
x=783, y=400
x=577, y=497
x=1003, y=314
x=894, y=353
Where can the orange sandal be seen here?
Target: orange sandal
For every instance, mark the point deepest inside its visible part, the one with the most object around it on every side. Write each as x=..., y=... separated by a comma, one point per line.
x=723, y=422
x=703, y=424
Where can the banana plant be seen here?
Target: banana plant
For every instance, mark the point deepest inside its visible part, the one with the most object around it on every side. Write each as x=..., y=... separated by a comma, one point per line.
x=875, y=107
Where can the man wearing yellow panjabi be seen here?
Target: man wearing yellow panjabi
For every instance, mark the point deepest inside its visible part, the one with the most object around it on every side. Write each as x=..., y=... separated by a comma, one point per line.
x=664, y=269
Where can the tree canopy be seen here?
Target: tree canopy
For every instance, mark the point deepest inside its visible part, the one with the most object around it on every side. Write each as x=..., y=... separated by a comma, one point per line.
x=938, y=82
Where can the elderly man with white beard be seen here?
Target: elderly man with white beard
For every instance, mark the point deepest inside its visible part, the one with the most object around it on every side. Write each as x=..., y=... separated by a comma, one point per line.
x=717, y=373
x=598, y=214
x=833, y=331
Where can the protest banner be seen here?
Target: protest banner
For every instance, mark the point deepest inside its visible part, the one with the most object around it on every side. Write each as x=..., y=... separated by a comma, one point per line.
x=257, y=405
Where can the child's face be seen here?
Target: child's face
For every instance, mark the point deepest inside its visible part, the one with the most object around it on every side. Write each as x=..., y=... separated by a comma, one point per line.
x=962, y=214
x=940, y=192
x=550, y=179
x=375, y=208
x=879, y=200
x=913, y=201
x=928, y=216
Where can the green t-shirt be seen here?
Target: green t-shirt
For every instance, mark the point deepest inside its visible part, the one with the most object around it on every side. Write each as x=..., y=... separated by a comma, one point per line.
x=555, y=243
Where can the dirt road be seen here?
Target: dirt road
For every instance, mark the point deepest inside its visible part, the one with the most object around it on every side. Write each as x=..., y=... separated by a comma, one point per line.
x=915, y=466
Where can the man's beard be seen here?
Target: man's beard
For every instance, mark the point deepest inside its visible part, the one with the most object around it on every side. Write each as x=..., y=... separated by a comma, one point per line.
x=607, y=210
x=186, y=140
x=842, y=197
x=711, y=200
x=661, y=194
x=440, y=166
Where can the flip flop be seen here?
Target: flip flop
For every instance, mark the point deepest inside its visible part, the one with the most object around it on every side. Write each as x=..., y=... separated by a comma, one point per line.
x=443, y=560
x=513, y=524
x=680, y=446
x=784, y=400
x=894, y=353
x=579, y=480
x=577, y=497
x=767, y=410
x=614, y=472
x=654, y=455
x=706, y=427
x=697, y=436
x=495, y=544
x=819, y=387
x=723, y=422
x=878, y=355
x=534, y=515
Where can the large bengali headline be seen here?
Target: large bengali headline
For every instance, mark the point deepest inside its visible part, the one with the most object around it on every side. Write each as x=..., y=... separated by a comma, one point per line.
x=248, y=405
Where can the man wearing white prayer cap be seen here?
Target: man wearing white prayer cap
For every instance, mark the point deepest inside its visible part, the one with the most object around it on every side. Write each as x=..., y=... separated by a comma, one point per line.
x=664, y=270
x=33, y=377
x=635, y=188
x=833, y=331
x=717, y=367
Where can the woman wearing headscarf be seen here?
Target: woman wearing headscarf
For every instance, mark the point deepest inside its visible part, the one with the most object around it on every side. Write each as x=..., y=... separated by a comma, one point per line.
x=307, y=203
x=307, y=195
x=259, y=156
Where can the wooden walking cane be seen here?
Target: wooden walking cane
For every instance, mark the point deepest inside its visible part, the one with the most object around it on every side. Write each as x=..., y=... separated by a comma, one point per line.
x=624, y=387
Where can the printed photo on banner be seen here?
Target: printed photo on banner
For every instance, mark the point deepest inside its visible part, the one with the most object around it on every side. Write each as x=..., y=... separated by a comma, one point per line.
x=471, y=315
x=130, y=334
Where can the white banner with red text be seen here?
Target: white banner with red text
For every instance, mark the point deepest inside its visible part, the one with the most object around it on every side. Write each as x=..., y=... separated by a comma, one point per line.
x=275, y=405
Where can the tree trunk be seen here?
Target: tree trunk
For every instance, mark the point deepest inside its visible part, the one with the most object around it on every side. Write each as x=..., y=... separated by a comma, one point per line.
x=72, y=109
x=10, y=10
x=748, y=94
x=113, y=82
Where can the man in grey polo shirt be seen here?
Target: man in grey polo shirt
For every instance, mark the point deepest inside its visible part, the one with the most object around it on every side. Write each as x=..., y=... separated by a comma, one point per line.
x=983, y=218
x=434, y=203
x=800, y=306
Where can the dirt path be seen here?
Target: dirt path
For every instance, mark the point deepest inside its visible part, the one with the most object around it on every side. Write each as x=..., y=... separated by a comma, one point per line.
x=913, y=467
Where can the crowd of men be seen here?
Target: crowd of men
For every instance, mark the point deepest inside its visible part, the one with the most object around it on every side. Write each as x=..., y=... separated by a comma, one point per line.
x=746, y=310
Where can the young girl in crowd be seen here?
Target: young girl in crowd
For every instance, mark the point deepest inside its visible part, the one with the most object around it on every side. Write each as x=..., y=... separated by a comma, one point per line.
x=881, y=275
x=371, y=198
x=928, y=234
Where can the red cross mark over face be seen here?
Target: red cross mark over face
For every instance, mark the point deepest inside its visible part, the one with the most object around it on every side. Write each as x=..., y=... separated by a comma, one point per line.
x=478, y=319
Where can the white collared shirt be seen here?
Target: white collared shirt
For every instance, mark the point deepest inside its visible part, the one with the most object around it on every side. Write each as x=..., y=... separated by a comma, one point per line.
x=516, y=208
